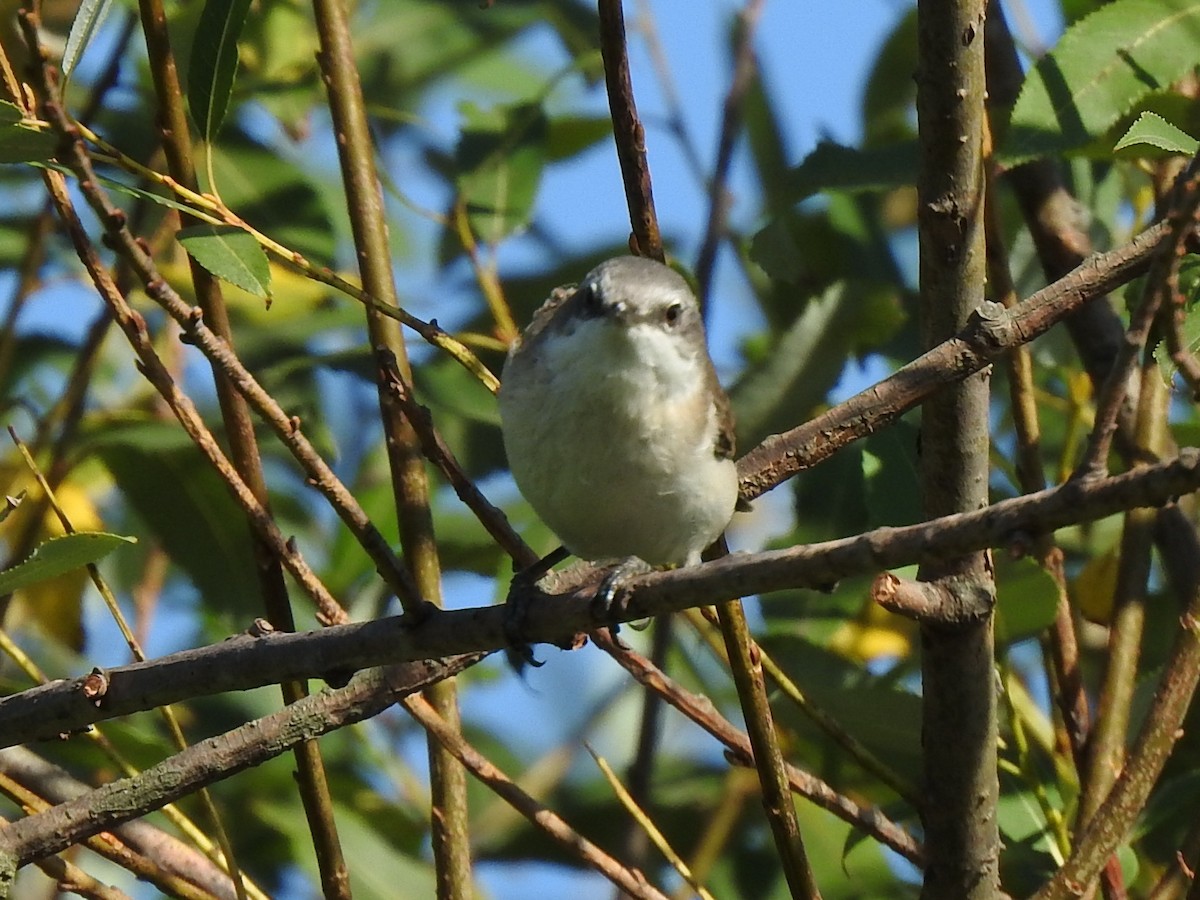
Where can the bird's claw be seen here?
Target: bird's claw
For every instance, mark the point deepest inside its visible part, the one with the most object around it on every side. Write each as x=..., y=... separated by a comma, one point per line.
x=612, y=599
x=516, y=607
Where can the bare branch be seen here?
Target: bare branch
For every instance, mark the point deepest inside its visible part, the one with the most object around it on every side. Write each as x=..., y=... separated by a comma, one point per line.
x=246, y=662
x=628, y=132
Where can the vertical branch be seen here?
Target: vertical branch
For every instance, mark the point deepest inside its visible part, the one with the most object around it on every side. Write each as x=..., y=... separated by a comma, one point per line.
x=356, y=153
x=243, y=445
x=768, y=756
x=958, y=665
x=1061, y=647
x=628, y=132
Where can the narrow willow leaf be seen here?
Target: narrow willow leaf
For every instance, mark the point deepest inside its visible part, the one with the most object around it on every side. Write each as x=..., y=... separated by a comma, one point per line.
x=1103, y=66
x=230, y=253
x=119, y=187
x=19, y=144
x=88, y=20
x=20, y=140
x=60, y=555
x=1152, y=130
x=10, y=114
x=214, y=62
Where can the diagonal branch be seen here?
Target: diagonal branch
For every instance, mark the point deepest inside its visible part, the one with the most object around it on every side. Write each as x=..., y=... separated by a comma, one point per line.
x=211, y=760
x=988, y=336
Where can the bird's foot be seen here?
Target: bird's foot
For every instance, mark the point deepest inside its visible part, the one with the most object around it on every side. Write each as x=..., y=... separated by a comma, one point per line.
x=516, y=607
x=612, y=598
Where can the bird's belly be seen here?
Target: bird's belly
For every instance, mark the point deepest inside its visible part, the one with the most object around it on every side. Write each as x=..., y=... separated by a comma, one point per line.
x=609, y=485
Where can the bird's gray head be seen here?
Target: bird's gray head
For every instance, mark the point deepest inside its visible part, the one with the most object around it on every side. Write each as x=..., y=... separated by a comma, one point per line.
x=631, y=290
x=639, y=298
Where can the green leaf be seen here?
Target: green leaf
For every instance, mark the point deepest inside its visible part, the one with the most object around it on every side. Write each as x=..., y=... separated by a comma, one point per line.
x=499, y=160
x=569, y=136
x=60, y=555
x=884, y=718
x=230, y=253
x=21, y=141
x=1151, y=129
x=889, y=98
x=10, y=114
x=832, y=166
x=130, y=191
x=275, y=195
x=87, y=22
x=1026, y=599
x=891, y=476
x=214, y=62
x=1100, y=69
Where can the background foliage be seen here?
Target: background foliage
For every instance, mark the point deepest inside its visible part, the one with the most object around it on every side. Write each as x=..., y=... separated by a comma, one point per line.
x=480, y=115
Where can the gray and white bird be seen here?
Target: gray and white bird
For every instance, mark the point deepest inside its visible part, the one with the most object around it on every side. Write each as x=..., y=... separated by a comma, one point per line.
x=615, y=426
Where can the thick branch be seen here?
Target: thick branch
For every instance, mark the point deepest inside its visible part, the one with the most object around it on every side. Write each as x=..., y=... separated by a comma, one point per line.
x=245, y=662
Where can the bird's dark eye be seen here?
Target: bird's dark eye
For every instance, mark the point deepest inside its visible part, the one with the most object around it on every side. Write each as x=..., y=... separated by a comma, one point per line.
x=673, y=313
x=591, y=299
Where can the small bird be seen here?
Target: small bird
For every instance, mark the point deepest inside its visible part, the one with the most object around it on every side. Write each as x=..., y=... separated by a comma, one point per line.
x=616, y=429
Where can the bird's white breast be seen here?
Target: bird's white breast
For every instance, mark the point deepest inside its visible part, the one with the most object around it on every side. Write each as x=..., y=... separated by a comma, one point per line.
x=609, y=434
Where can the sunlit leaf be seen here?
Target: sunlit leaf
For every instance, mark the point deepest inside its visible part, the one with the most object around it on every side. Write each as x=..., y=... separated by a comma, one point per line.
x=87, y=22
x=230, y=253
x=1100, y=69
x=60, y=555
x=214, y=62
x=1153, y=131
x=22, y=141
x=1026, y=599
x=499, y=158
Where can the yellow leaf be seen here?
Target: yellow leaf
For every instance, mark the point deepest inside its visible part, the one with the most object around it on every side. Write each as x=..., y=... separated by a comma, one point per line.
x=874, y=634
x=1095, y=586
x=56, y=605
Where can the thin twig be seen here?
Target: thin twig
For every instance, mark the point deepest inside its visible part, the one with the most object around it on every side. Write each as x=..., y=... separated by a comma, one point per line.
x=768, y=755
x=214, y=759
x=114, y=849
x=628, y=133
x=1181, y=218
x=700, y=710
x=134, y=328
x=1151, y=748
x=221, y=355
x=1061, y=648
x=631, y=881
x=646, y=826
